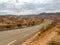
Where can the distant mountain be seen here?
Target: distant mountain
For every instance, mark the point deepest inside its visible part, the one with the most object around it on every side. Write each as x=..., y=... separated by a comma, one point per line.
x=42, y=14
x=50, y=14
x=35, y=15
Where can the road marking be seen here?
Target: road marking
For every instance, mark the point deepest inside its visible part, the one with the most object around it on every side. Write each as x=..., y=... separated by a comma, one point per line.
x=11, y=42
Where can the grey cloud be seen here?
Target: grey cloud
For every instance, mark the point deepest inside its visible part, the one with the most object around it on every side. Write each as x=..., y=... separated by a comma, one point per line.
x=7, y=6
x=37, y=7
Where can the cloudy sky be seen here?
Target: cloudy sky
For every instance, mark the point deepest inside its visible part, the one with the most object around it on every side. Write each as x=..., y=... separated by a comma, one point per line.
x=23, y=7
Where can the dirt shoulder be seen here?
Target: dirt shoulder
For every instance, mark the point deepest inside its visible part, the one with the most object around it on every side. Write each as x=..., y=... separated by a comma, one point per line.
x=43, y=39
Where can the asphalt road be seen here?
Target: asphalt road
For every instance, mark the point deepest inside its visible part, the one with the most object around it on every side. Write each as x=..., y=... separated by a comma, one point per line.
x=14, y=37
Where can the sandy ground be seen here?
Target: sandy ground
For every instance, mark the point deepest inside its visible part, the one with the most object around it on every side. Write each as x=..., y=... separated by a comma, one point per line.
x=56, y=38
x=44, y=38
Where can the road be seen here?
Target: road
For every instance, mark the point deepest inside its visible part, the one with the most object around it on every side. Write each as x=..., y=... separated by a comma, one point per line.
x=14, y=37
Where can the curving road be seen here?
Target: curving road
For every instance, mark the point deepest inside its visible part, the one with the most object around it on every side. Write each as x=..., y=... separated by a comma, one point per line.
x=14, y=37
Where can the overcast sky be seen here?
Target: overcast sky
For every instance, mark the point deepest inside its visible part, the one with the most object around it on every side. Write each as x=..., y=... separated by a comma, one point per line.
x=23, y=7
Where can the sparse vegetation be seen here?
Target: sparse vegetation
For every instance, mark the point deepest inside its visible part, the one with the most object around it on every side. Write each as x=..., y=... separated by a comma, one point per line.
x=15, y=22
x=58, y=32
x=43, y=29
x=54, y=43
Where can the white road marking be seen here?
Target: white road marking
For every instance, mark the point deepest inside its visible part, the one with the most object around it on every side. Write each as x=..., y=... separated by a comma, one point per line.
x=11, y=42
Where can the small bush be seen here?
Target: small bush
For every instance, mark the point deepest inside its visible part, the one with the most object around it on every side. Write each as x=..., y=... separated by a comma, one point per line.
x=42, y=30
x=19, y=25
x=58, y=32
x=33, y=23
x=8, y=26
x=54, y=43
x=39, y=34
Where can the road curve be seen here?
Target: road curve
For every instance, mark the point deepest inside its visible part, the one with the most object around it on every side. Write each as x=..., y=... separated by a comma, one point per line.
x=14, y=37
